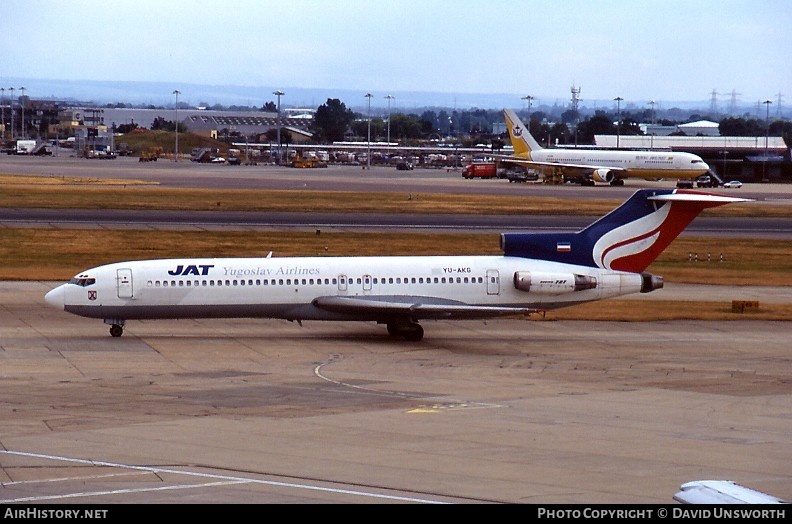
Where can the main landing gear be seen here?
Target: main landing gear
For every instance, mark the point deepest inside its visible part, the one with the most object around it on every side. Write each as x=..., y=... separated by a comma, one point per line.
x=411, y=331
x=116, y=327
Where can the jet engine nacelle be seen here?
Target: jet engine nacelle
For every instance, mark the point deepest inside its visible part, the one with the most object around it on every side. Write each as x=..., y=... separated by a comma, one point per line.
x=650, y=282
x=603, y=175
x=552, y=283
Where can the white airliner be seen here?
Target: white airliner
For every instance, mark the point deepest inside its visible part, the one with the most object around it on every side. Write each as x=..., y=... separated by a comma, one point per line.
x=599, y=165
x=537, y=272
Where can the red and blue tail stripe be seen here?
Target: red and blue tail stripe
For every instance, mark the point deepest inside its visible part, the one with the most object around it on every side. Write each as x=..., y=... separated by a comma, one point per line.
x=629, y=238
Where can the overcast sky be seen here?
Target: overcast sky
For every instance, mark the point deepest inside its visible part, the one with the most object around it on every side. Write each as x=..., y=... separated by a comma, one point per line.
x=661, y=50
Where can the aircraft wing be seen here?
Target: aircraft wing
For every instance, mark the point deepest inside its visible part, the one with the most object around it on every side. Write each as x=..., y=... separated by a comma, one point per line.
x=415, y=307
x=722, y=492
x=563, y=165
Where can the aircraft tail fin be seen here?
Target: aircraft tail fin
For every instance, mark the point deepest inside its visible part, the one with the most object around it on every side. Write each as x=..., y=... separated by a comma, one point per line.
x=520, y=135
x=629, y=238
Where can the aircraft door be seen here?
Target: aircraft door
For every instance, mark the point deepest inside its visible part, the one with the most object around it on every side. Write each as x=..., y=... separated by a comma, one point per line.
x=124, y=283
x=493, y=282
x=367, y=284
x=342, y=284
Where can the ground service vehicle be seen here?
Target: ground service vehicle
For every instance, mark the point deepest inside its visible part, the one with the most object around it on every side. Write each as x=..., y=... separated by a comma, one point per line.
x=150, y=155
x=307, y=161
x=704, y=181
x=480, y=170
x=25, y=147
x=522, y=176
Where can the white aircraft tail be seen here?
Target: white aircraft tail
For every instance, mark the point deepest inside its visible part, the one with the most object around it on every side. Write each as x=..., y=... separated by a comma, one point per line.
x=520, y=135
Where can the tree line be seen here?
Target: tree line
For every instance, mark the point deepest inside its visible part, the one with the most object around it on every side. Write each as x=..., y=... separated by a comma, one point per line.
x=333, y=122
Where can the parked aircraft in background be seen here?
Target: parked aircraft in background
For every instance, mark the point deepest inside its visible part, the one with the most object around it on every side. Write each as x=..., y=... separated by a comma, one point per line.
x=598, y=165
x=537, y=272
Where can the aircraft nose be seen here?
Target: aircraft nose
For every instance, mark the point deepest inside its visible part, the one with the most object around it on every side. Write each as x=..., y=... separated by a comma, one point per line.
x=55, y=298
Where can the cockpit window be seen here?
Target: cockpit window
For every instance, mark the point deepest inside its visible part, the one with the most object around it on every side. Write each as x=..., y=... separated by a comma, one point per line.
x=83, y=281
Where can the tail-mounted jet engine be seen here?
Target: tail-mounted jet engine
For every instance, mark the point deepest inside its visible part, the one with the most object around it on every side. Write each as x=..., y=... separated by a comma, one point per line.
x=552, y=283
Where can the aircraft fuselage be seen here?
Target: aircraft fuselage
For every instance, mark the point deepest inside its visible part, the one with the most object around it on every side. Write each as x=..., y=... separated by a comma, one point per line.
x=288, y=287
x=645, y=164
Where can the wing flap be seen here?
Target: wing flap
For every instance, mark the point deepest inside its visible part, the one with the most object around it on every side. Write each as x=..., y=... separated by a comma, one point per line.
x=415, y=307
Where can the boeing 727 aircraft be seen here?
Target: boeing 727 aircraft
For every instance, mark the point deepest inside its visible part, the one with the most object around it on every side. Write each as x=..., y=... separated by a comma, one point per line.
x=537, y=272
x=599, y=165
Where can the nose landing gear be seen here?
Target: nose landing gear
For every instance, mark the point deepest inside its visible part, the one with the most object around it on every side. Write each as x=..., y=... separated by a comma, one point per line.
x=116, y=327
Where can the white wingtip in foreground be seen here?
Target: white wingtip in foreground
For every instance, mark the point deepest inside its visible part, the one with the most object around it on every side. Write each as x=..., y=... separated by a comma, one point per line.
x=537, y=272
x=722, y=492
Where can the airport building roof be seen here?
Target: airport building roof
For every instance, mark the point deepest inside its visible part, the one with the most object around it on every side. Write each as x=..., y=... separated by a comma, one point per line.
x=247, y=122
x=773, y=144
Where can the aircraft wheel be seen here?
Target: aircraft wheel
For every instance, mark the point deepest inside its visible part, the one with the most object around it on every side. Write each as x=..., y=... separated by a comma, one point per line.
x=413, y=332
x=116, y=330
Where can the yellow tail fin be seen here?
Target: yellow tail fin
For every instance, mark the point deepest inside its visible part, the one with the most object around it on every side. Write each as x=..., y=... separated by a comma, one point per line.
x=521, y=139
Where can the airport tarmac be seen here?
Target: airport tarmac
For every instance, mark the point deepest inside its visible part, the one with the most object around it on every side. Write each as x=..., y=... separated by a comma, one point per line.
x=268, y=411
x=186, y=174
x=265, y=411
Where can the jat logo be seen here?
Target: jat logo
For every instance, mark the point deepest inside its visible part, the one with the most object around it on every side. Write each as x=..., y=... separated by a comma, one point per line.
x=192, y=269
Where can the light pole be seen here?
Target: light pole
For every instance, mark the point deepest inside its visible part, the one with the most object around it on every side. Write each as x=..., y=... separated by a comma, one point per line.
x=279, y=94
x=176, y=152
x=767, y=123
x=529, y=98
x=652, y=133
x=11, y=104
x=2, y=110
x=618, y=100
x=368, y=142
x=767, y=137
x=22, y=105
x=389, y=97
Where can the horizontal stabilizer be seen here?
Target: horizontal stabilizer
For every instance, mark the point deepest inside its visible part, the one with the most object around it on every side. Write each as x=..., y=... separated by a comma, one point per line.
x=682, y=196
